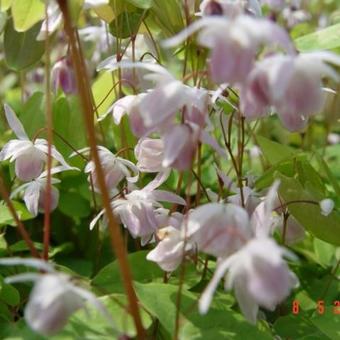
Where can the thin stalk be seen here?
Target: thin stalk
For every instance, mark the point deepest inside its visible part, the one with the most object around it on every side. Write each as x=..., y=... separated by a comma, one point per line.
x=199, y=168
x=113, y=226
x=22, y=230
x=49, y=123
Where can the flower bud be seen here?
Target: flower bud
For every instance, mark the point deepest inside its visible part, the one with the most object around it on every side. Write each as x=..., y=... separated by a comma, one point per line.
x=63, y=76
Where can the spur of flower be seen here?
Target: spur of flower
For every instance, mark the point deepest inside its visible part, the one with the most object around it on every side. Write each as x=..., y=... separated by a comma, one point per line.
x=29, y=156
x=54, y=297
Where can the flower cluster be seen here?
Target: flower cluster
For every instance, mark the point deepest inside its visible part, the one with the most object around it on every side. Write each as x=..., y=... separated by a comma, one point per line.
x=30, y=158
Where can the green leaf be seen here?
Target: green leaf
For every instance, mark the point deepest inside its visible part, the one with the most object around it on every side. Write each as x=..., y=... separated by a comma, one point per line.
x=220, y=323
x=103, y=92
x=68, y=119
x=325, y=39
x=324, y=252
x=90, y=324
x=329, y=174
x=8, y=294
x=33, y=114
x=26, y=13
x=166, y=16
x=3, y=20
x=126, y=24
x=5, y=4
x=326, y=228
x=297, y=327
x=145, y=4
x=22, y=50
x=73, y=205
x=108, y=280
x=275, y=152
x=329, y=322
x=6, y=217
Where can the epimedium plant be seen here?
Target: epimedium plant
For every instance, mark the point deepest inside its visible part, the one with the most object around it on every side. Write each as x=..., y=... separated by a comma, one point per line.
x=155, y=152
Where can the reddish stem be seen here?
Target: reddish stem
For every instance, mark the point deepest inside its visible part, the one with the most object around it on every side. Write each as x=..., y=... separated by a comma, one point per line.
x=113, y=226
x=21, y=227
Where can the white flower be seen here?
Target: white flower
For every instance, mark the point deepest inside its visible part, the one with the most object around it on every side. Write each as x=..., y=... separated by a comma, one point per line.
x=29, y=156
x=54, y=297
x=258, y=275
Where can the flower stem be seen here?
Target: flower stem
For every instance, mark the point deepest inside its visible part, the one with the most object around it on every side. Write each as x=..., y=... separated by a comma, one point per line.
x=115, y=233
x=21, y=227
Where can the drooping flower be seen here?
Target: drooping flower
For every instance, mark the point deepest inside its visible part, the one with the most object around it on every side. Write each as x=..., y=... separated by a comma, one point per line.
x=218, y=229
x=115, y=168
x=234, y=44
x=137, y=210
x=35, y=192
x=170, y=250
x=158, y=106
x=258, y=275
x=290, y=84
x=54, y=297
x=29, y=156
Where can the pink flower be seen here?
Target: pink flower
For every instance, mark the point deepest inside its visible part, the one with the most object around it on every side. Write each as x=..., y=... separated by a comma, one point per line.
x=54, y=297
x=29, y=156
x=180, y=143
x=137, y=211
x=218, y=229
x=291, y=84
x=234, y=44
x=258, y=275
x=149, y=154
x=169, y=252
x=35, y=192
x=156, y=109
x=115, y=168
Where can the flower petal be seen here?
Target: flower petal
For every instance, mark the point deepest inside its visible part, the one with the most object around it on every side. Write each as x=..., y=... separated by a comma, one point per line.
x=15, y=123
